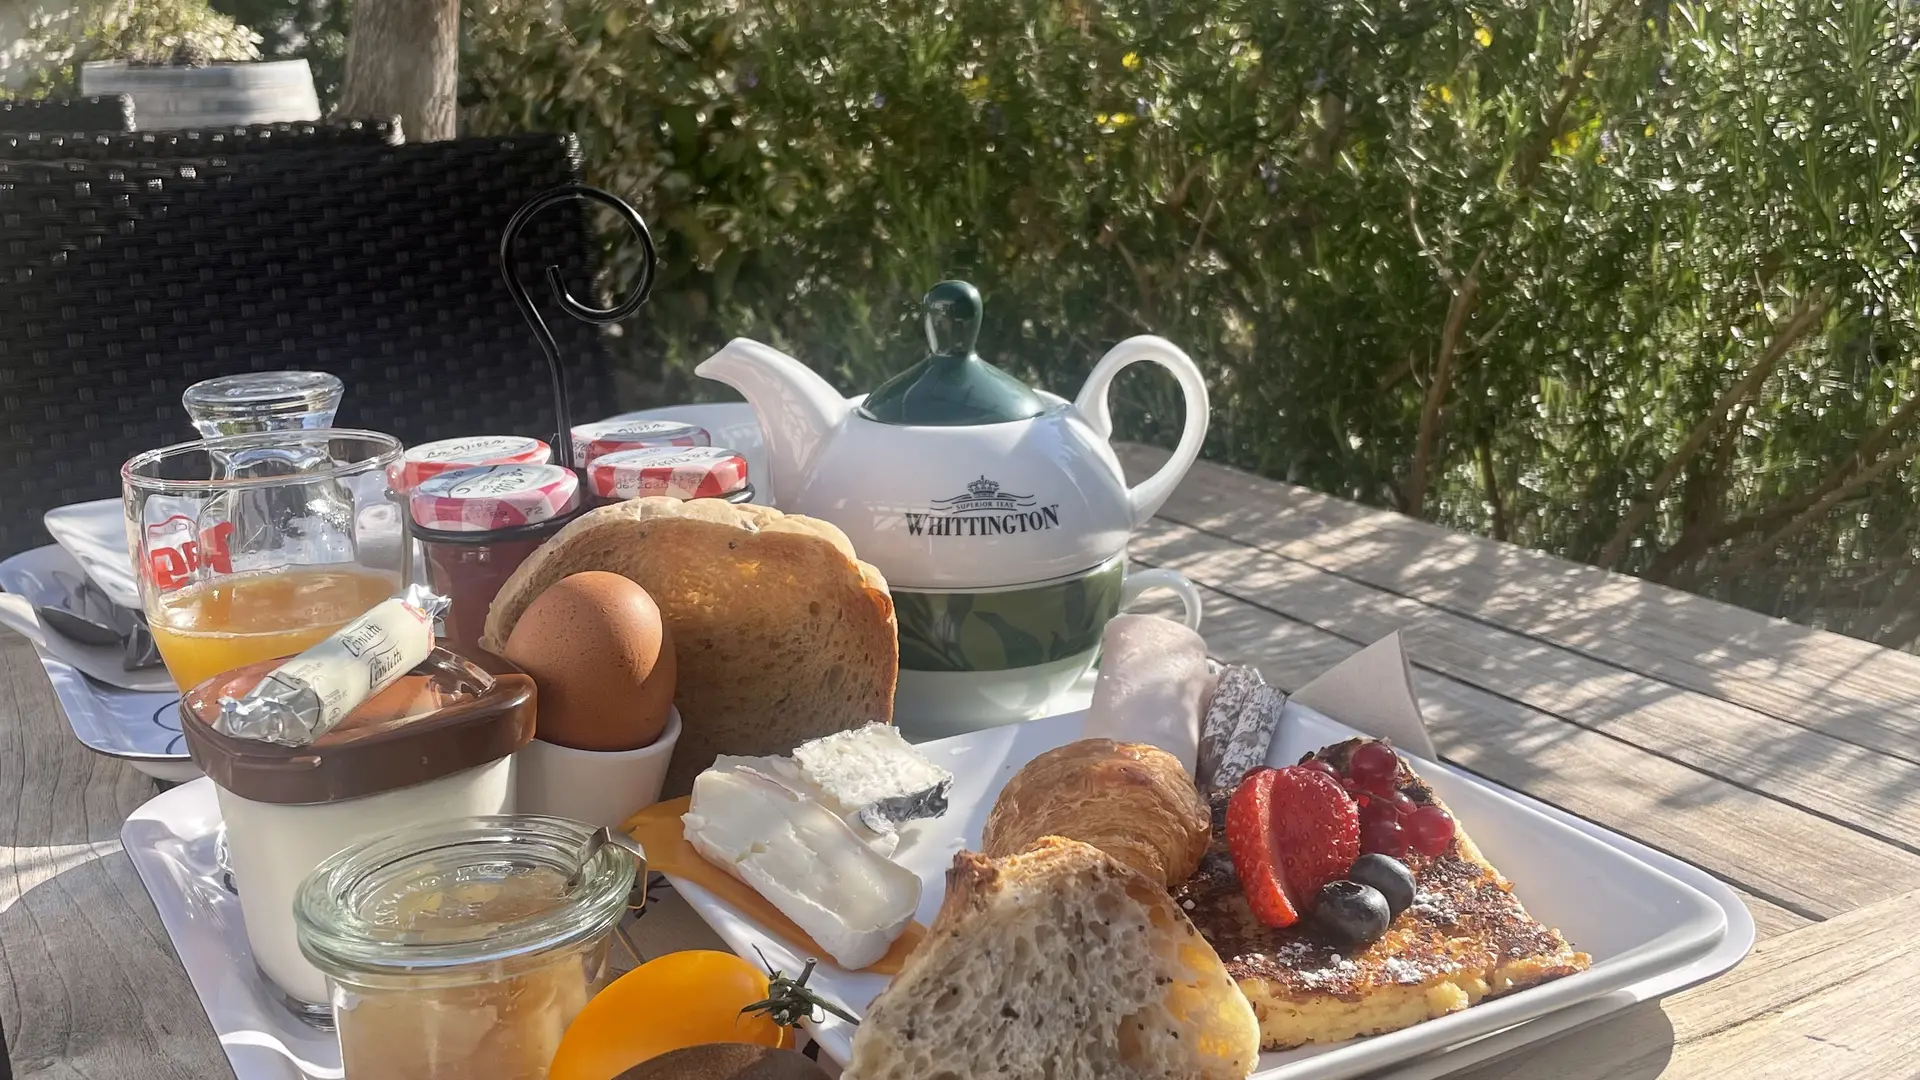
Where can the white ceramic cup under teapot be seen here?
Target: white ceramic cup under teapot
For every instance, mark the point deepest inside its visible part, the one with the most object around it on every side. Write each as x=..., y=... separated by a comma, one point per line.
x=998, y=514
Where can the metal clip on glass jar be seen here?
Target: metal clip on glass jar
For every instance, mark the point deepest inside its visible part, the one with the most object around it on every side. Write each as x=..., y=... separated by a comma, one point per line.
x=462, y=950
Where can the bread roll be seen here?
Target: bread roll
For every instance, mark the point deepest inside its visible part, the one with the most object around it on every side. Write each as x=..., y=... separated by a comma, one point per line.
x=1130, y=800
x=779, y=634
x=1058, y=962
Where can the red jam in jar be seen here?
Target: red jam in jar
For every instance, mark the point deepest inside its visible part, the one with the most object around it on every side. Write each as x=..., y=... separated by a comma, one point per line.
x=477, y=526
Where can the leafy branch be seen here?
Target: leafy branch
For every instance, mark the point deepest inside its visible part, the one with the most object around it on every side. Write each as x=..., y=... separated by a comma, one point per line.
x=1807, y=312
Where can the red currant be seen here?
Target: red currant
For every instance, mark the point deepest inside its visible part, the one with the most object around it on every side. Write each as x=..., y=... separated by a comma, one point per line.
x=1377, y=810
x=1319, y=765
x=1430, y=829
x=1400, y=803
x=1372, y=764
x=1383, y=836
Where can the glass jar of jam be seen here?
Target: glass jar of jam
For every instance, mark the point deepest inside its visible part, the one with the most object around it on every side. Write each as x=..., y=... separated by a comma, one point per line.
x=679, y=472
x=462, y=950
x=476, y=526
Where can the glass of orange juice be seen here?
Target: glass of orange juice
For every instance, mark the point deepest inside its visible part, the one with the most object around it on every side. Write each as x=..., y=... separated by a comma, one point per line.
x=256, y=561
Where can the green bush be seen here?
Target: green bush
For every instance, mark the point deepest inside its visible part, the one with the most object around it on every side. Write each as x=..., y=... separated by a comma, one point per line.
x=1627, y=280
x=57, y=36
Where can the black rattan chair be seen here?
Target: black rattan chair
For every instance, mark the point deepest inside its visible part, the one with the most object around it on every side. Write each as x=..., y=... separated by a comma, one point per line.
x=194, y=143
x=123, y=283
x=104, y=112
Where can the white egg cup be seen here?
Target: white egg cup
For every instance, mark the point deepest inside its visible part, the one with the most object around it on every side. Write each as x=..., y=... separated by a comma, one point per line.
x=599, y=787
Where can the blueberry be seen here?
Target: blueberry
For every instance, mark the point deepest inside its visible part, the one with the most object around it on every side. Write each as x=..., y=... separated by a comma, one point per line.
x=1388, y=875
x=1352, y=913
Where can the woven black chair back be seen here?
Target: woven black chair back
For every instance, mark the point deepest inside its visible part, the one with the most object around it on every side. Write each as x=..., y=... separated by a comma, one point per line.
x=102, y=112
x=122, y=283
x=196, y=143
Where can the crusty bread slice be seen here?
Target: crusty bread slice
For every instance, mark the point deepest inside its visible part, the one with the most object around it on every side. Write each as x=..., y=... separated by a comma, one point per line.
x=1057, y=962
x=779, y=633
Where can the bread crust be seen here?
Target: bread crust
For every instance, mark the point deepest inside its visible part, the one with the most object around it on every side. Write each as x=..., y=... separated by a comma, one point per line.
x=780, y=634
x=1060, y=912
x=1133, y=801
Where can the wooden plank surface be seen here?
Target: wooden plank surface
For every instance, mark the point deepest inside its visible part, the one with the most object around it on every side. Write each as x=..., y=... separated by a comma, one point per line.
x=1793, y=859
x=1850, y=689
x=1781, y=759
x=89, y=986
x=1827, y=1001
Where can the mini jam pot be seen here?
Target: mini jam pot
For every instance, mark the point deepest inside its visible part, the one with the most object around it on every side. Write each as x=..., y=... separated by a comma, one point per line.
x=460, y=950
x=476, y=526
x=679, y=472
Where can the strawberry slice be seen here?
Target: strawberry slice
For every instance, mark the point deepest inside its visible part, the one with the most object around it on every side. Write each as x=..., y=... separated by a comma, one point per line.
x=1290, y=831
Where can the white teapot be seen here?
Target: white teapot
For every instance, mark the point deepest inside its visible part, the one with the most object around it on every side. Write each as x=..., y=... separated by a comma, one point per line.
x=998, y=514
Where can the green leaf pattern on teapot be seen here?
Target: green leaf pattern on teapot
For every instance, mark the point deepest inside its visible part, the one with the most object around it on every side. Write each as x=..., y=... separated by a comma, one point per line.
x=1006, y=629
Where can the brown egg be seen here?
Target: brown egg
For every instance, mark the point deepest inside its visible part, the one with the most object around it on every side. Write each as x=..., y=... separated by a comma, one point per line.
x=726, y=1061
x=602, y=659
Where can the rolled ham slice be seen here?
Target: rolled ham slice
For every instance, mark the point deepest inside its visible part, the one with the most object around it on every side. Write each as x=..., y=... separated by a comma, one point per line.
x=1152, y=686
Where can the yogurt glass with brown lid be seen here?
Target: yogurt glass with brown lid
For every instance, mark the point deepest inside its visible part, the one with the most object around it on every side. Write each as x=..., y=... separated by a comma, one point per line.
x=437, y=744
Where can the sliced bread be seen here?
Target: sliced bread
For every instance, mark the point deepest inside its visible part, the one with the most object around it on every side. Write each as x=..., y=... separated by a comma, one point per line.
x=780, y=634
x=1057, y=962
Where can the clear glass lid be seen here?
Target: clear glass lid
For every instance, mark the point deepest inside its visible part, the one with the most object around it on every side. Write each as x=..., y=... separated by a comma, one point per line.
x=470, y=892
x=263, y=401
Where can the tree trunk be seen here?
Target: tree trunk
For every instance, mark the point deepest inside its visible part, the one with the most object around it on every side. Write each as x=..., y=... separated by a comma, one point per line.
x=403, y=57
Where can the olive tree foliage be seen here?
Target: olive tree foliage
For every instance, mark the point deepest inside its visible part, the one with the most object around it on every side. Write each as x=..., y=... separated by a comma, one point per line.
x=1631, y=281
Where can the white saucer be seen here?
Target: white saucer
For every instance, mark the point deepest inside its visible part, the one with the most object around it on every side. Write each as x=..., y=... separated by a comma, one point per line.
x=140, y=727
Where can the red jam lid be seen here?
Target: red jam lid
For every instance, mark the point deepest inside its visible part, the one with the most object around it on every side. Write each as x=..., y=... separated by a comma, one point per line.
x=612, y=436
x=493, y=497
x=431, y=459
x=684, y=472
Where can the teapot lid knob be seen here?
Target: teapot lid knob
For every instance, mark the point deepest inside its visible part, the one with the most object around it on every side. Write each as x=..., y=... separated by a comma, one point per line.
x=952, y=387
x=952, y=312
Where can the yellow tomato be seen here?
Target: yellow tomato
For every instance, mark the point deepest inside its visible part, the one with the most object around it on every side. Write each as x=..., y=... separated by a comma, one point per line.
x=680, y=999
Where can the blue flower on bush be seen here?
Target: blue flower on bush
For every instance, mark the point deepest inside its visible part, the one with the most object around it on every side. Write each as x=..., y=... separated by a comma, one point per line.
x=879, y=100
x=746, y=80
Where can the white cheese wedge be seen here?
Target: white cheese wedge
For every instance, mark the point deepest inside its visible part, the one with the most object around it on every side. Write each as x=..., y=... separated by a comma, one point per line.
x=806, y=861
x=870, y=776
x=872, y=773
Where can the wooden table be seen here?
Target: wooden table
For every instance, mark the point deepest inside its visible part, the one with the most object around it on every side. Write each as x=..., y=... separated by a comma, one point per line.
x=1784, y=760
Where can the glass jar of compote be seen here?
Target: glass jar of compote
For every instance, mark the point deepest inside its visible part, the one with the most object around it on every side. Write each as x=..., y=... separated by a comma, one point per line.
x=462, y=950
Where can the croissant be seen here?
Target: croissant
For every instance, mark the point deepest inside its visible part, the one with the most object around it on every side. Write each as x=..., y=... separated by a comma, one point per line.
x=1131, y=800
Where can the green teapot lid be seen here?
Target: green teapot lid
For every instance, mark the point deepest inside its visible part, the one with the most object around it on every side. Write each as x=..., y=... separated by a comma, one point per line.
x=953, y=387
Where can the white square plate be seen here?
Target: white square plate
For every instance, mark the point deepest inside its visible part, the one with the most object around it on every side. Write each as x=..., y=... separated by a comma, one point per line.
x=171, y=841
x=1634, y=920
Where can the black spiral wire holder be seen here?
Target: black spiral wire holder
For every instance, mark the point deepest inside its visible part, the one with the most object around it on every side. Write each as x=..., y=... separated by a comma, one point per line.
x=585, y=312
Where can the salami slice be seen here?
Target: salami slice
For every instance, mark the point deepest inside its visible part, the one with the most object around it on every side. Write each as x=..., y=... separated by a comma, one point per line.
x=1238, y=728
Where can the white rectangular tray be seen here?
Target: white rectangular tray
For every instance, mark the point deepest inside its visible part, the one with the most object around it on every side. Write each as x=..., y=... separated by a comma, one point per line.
x=171, y=842
x=1638, y=922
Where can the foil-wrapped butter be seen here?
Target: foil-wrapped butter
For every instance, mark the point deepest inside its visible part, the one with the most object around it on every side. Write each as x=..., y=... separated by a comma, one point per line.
x=304, y=698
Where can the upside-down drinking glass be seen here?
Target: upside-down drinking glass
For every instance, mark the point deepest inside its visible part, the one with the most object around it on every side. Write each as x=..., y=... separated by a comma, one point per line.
x=239, y=568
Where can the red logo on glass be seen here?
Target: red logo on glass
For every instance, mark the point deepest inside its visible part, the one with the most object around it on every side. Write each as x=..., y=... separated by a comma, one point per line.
x=174, y=553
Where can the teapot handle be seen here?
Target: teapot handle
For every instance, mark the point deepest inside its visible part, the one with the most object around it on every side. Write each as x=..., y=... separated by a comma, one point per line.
x=1145, y=497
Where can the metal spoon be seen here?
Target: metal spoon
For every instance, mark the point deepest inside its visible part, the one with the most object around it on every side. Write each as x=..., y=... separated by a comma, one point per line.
x=80, y=629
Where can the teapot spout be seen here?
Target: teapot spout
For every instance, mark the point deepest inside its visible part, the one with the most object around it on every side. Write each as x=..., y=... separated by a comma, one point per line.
x=798, y=410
